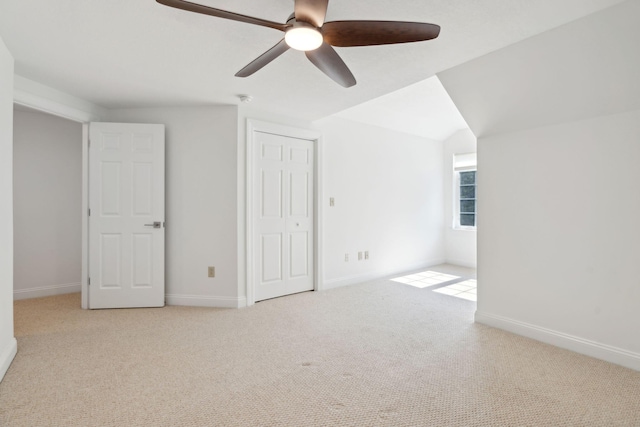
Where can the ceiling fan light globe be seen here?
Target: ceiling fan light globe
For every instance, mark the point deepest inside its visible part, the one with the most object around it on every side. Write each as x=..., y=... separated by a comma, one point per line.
x=303, y=38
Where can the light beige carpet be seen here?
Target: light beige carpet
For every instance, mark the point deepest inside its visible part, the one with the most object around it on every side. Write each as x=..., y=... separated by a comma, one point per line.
x=375, y=354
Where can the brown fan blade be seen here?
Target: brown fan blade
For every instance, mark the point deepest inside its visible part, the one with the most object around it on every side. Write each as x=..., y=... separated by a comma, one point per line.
x=311, y=11
x=327, y=60
x=206, y=10
x=368, y=33
x=263, y=59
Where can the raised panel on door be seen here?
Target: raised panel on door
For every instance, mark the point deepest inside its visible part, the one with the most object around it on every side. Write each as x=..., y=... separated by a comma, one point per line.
x=110, y=260
x=110, y=194
x=142, y=143
x=299, y=254
x=271, y=259
x=300, y=155
x=271, y=194
x=142, y=266
x=271, y=151
x=299, y=194
x=126, y=197
x=110, y=141
x=142, y=197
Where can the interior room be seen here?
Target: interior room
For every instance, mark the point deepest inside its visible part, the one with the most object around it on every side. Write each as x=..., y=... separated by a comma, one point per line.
x=460, y=206
x=47, y=200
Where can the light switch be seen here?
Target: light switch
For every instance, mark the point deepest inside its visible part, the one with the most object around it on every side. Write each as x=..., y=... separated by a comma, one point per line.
x=332, y=202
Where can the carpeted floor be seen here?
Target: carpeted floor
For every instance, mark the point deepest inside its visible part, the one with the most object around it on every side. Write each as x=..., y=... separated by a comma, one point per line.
x=375, y=354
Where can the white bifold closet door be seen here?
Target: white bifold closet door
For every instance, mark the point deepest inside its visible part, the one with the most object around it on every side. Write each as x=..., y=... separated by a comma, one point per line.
x=284, y=223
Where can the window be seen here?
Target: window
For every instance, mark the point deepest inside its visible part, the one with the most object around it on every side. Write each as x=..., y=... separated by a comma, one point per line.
x=464, y=166
x=468, y=198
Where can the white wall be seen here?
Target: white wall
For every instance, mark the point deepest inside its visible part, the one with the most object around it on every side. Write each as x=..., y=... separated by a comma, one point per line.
x=558, y=124
x=8, y=344
x=460, y=245
x=201, y=201
x=47, y=172
x=558, y=242
x=388, y=191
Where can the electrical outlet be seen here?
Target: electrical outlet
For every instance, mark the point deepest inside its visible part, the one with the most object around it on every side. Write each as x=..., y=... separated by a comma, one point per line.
x=359, y=256
x=212, y=272
x=366, y=254
x=346, y=257
x=332, y=202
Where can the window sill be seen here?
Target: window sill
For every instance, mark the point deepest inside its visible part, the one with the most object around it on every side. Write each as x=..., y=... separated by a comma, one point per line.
x=464, y=228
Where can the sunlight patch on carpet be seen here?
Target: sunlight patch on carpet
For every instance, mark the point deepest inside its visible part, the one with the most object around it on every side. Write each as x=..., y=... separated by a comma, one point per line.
x=465, y=290
x=425, y=279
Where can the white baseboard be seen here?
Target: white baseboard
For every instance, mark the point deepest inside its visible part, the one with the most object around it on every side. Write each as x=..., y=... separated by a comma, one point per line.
x=6, y=356
x=206, y=301
x=46, y=291
x=359, y=278
x=462, y=263
x=594, y=349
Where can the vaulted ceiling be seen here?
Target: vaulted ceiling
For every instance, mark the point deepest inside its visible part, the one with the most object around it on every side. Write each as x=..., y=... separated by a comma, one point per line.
x=124, y=53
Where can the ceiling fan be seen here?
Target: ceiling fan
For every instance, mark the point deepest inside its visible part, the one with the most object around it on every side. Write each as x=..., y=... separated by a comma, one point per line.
x=306, y=30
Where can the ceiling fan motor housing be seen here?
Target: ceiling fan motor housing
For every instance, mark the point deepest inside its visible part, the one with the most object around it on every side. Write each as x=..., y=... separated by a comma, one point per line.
x=303, y=36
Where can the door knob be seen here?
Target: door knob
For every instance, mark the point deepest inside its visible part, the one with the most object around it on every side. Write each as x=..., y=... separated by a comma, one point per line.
x=156, y=224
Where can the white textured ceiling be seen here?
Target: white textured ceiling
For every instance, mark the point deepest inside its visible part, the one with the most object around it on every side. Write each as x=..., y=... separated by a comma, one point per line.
x=129, y=53
x=424, y=109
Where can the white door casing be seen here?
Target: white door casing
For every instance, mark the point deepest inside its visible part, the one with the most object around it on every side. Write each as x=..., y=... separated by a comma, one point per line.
x=126, y=198
x=283, y=216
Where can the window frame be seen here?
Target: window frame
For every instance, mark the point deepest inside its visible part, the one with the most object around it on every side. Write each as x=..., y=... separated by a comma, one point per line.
x=456, y=194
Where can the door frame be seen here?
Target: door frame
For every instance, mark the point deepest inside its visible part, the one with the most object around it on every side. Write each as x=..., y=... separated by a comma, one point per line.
x=310, y=135
x=84, y=279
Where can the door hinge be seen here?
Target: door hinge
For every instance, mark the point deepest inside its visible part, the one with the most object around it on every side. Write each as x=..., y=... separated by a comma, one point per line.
x=89, y=281
x=89, y=212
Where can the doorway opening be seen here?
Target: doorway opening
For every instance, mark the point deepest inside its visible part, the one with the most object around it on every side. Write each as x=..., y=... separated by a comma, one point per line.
x=47, y=183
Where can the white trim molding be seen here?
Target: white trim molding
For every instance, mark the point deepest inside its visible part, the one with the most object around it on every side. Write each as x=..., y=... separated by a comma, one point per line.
x=277, y=129
x=37, y=96
x=46, y=291
x=6, y=356
x=461, y=263
x=590, y=348
x=205, y=301
x=84, y=214
x=374, y=275
x=351, y=280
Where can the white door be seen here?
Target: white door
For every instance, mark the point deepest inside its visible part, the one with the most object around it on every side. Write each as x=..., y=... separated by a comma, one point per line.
x=126, y=220
x=284, y=222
